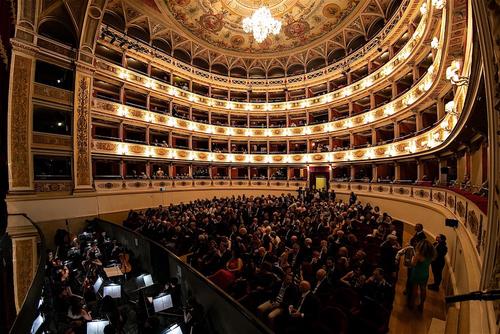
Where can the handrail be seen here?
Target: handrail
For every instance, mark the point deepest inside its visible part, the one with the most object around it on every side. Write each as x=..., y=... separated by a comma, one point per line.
x=242, y=310
x=27, y=313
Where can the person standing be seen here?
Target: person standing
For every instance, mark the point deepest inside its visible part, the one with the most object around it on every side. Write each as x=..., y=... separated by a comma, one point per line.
x=438, y=264
x=424, y=255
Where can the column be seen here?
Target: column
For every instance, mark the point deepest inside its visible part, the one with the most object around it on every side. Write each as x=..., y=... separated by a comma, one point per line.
x=440, y=109
x=394, y=88
x=374, y=173
x=420, y=170
x=20, y=119
x=374, y=136
x=443, y=177
x=419, y=120
x=397, y=171
x=396, y=129
x=24, y=239
x=353, y=172
x=82, y=170
x=147, y=135
x=372, y=101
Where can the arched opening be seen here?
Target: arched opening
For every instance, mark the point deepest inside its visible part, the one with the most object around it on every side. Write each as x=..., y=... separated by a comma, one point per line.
x=59, y=31
x=315, y=64
x=114, y=20
x=182, y=55
x=295, y=69
x=162, y=45
x=335, y=55
x=201, y=63
x=219, y=69
x=138, y=33
x=238, y=72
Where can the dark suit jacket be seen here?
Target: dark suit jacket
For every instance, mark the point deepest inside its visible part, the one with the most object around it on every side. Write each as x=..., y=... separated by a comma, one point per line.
x=310, y=307
x=323, y=292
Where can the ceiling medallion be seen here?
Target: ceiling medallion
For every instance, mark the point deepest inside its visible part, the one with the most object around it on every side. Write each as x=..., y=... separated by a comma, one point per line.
x=261, y=24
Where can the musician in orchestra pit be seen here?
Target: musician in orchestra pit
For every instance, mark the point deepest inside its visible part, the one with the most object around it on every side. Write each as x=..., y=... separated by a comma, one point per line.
x=93, y=250
x=288, y=294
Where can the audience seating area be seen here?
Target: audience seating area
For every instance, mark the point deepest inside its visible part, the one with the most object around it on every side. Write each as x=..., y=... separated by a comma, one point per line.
x=306, y=262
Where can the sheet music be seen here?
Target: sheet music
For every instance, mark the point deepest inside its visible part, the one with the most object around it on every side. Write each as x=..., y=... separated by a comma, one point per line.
x=96, y=327
x=97, y=284
x=114, y=291
x=162, y=303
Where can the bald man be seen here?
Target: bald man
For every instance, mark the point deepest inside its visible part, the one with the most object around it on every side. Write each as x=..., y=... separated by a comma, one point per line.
x=306, y=310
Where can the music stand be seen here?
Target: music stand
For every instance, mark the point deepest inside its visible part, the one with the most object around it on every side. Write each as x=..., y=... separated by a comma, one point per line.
x=113, y=271
x=143, y=281
x=96, y=327
x=113, y=290
x=37, y=324
x=97, y=285
x=174, y=329
x=162, y=302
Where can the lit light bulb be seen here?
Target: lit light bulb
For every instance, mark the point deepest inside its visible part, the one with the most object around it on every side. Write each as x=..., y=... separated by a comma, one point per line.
x=389, y=110
x=424, y=9
x=439, y=4
x=435, y=43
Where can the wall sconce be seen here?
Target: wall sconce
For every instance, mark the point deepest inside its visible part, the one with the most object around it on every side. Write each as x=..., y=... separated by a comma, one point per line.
x=452, y=75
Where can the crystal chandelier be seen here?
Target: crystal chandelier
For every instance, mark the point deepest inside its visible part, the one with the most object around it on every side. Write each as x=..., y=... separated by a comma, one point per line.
x=261, y=24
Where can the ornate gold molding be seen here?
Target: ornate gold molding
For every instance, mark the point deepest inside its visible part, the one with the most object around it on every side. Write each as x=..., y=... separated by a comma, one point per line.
x=20, y=123
x=81, y=138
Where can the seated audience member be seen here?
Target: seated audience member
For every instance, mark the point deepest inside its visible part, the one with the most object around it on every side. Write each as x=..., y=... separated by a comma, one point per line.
x=288, y=294
x=378, y=289
x=311, y=238
x=303, y=313
x=322, y=289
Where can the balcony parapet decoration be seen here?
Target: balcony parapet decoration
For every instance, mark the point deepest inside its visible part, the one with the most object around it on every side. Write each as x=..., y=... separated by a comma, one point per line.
x=388, y=111
x=345, y=93
x=167, y=62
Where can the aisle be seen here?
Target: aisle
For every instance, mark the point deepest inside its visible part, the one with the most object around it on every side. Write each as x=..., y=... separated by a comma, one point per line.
x=404, y=320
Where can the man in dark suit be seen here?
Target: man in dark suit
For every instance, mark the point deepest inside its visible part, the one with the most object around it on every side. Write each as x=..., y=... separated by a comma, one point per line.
x=418, y=236
x=287, y=294
x=303, y=313
x=322, y=289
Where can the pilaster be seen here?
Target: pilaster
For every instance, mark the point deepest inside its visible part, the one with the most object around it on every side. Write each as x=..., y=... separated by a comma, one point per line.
x=20, y=119
x=82, y=172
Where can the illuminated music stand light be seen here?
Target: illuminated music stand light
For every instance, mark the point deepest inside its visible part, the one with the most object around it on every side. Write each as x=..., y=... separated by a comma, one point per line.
x=96, y=327
x=113, y=290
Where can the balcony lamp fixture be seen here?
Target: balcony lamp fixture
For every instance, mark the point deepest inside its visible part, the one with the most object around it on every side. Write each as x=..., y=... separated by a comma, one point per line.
x=450, y=108
x=439, y=4
x=261, y=24
x=435, y=43
x=453, y=77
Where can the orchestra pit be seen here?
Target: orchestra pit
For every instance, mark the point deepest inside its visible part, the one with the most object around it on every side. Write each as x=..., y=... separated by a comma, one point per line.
x=249, y=166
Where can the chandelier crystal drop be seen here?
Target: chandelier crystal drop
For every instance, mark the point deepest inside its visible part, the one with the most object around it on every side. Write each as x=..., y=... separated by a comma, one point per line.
x=261, y=24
